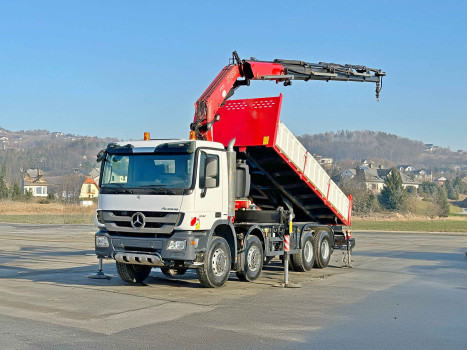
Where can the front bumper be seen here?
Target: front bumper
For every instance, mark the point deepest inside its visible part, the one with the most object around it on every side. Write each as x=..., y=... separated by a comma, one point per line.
x=152, y=251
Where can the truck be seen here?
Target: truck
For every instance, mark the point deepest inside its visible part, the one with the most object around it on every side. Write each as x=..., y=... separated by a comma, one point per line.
x=239, y=192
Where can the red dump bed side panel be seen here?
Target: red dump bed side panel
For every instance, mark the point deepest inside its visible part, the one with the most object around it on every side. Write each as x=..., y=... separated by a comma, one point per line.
x=253, y=122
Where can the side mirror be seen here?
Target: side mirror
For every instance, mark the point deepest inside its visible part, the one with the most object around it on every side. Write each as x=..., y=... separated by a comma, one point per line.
x=101, y=155
x=211, y=174
x=211, y=171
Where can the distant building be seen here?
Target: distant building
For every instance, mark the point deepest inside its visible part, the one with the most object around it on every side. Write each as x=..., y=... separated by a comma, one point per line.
x=405, y=168
x=4, y=142
x=374, y=176
x=441, y=181
x=95, y=174
x=423, y=175
x=325, y=162
x=89, y=189
x=429, y=147
x=33, y=181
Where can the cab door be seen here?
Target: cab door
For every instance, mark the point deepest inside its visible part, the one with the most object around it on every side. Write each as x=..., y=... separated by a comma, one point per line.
x=209, y=199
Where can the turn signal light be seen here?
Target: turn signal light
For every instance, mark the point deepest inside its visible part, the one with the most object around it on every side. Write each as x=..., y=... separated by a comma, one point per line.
x=146, y=136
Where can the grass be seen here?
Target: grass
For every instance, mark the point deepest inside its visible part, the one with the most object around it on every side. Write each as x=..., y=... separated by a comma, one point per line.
x=37, y=212
x=76, y=219
x=411, y=225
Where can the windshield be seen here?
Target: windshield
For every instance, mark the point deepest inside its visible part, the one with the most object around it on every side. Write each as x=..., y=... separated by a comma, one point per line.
x=147, y=171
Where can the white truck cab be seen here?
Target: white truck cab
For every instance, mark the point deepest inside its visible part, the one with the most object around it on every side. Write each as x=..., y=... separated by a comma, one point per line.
x=159, y=202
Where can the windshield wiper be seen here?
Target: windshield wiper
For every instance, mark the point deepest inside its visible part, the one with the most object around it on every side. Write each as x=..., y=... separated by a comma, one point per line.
x=120, y=186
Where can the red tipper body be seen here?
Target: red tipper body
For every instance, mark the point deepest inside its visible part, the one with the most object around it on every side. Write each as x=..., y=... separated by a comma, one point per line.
x=282, y=170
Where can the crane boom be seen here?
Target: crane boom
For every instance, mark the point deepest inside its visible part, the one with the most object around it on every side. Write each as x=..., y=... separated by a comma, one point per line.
x=239, y=73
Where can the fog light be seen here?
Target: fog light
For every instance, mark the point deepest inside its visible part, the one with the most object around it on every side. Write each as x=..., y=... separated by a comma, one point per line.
x=102, y=242
x=176, y=245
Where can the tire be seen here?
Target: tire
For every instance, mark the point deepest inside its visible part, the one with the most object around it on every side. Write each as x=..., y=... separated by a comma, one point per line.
x=323, y=249
x=254, y=259
x=171, y=272
x=217, y=263
x=133, y=273
x=304, y=259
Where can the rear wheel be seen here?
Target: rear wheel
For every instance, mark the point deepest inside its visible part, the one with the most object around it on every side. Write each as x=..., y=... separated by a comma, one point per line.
x=217, y=263
x=323, y=248
x=304, y=259
x=253, y=260
x=171, y=272
x=133, y=273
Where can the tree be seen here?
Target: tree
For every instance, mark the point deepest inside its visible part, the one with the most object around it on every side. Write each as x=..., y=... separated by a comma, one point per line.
x=15, y=192
x=428, y=188
x=394, y=195
x=364, y=201
x=3, y=188
x=441, y=200
x=452, y=189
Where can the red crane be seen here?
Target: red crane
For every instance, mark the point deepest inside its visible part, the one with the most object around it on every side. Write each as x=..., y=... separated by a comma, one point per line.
x=239, y=73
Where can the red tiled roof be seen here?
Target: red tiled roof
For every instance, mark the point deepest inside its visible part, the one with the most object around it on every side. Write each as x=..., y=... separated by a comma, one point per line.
x=90, y=181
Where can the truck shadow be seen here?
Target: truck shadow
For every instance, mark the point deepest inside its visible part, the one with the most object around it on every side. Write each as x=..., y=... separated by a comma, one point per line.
x=72, y=268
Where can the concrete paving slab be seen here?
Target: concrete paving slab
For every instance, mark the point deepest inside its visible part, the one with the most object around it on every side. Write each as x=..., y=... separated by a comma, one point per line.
x=49, y=303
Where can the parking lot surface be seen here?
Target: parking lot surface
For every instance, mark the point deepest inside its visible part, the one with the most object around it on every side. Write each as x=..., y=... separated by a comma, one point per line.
x=404, y=291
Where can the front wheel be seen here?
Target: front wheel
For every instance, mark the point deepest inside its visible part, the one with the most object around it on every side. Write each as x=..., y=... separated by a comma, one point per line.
x=253, y=260
x=323, y=248
x=133, y=273
x=216, y=269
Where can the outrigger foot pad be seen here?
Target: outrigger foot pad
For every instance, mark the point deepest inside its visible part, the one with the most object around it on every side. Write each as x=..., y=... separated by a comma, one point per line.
x=287, y=285
x=100, y=275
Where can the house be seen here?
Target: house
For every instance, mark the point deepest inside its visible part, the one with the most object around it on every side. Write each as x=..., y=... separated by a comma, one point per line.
x=374, y=177
x=33, y=181
x=366, y=162
x=4, y=142
x=405, y=168
x=441, y=181
x=429, y=147
x=326, y=163
x=422, y=175
x=89, y=189
x=95, y=174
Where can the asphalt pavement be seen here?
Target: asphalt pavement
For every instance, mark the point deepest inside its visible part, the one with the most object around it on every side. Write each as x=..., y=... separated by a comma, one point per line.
x=405, y=291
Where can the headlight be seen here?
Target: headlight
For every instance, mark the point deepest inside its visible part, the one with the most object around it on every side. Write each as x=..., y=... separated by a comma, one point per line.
x=102, y=242
x=176, y=245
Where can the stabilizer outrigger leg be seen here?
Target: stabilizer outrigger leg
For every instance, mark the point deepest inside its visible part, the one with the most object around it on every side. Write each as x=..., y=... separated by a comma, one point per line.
x=100, y=275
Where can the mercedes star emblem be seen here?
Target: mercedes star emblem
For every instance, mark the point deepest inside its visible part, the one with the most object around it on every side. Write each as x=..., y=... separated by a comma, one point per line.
x=138, y=220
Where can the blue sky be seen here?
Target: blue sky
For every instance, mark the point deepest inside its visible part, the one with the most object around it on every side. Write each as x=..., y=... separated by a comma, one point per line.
x=119, y=68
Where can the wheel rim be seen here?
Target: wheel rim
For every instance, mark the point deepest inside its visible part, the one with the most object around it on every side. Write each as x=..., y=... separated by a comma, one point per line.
x=308, y=251
x=219, y=262
x=324, y=249
x=253, y=258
